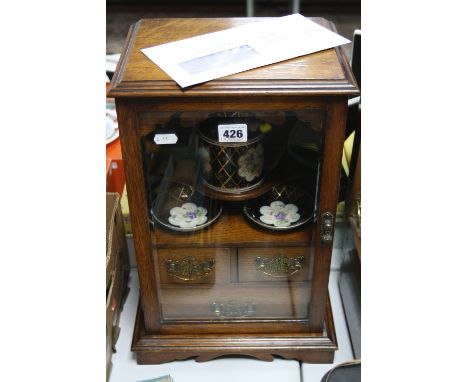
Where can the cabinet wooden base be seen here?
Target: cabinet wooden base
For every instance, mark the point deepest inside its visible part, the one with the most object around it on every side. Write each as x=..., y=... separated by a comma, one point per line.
x=305, y=347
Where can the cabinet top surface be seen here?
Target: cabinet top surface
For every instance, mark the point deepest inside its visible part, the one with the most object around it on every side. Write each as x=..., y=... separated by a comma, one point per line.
x=323, y=73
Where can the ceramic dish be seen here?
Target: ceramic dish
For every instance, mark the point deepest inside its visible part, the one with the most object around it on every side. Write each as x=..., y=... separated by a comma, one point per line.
x=112, y=137
x=184, y=210
x=282, y=208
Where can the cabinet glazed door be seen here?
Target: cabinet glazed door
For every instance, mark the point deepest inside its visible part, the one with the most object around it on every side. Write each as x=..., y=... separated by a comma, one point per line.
x=233, y=202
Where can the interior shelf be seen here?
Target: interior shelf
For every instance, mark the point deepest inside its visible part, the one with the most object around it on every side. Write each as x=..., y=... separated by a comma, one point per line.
x=232, y=229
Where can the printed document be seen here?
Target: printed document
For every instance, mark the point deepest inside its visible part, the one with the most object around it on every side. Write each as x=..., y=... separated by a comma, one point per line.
x=214, y=55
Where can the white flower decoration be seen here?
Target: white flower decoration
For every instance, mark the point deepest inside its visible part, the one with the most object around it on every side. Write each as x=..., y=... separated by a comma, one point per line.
x=251, y=163
x=279, y=215
x=189, y=215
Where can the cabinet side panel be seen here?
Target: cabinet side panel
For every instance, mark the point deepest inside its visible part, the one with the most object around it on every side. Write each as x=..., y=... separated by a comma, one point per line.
x=131, y=154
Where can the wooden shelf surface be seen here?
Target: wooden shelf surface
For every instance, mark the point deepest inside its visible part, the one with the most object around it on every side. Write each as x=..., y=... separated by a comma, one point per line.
x=233, y=229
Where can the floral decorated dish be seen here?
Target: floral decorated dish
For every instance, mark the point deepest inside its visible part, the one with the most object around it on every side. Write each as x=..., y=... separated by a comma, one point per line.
x=283, y=207
x=192, y=215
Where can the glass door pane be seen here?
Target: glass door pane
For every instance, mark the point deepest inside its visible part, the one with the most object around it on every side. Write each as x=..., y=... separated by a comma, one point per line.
x=232, y=198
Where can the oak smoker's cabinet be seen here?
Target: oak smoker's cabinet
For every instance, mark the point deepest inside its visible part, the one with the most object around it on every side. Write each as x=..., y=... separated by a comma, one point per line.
x=232, y=187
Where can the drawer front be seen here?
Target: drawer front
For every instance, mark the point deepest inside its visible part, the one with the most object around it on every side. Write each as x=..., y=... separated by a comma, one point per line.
x=194, y=265
x=275, y=264
x=236, y=301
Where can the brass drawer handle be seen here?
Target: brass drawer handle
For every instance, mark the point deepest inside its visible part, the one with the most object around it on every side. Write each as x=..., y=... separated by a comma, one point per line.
x=280, y=265
x=190, y=269
x=233, y=308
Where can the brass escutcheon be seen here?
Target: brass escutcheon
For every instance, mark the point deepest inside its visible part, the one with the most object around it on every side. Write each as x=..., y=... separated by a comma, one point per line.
x=233, y=308
x=280, y=265
x=190, y=269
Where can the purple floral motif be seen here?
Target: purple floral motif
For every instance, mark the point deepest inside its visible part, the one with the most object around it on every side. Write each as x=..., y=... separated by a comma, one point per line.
x=191, y=214
x=281, y=216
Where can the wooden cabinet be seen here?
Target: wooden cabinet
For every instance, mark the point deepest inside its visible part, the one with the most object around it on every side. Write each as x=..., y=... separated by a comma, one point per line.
x=233, y=240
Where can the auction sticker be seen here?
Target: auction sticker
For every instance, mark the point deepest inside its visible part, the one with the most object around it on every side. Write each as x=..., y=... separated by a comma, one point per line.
x=234, y=132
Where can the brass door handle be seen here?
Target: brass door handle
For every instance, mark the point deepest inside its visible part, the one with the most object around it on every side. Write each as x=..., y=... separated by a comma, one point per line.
x=279, y=265
x=233, y=308
x=190, y=269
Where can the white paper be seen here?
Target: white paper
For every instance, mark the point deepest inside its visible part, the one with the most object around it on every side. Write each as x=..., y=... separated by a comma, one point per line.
x=214, y=55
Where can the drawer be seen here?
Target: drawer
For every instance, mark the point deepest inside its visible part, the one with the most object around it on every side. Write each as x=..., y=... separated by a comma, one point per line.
x=236, y=301
x=275, y=264
x=194, y=265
